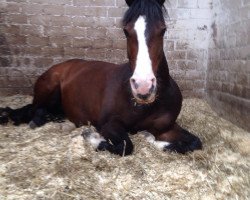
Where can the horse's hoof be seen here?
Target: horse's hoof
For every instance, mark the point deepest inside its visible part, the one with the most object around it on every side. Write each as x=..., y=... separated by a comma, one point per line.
x=120, y=149
x=103, y=146
x=32, y=125
x=184, y=147
x=5, y=111
x=4, y=115
x=195, y=145
x=4, y=120
x=123, y=149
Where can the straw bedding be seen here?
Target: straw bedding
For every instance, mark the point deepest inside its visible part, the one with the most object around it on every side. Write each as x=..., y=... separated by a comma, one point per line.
x=54, y=162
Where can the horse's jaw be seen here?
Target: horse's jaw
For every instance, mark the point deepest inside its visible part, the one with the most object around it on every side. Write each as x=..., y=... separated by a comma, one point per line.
x=151, y=99
x=147, y=102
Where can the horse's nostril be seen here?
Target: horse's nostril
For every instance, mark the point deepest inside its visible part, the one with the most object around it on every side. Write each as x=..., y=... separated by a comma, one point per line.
x=153, y=80
x=133, y=82
x=152, y=89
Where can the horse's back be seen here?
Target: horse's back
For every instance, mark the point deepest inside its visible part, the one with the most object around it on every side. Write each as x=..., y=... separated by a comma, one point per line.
x=50, y=82
x=83, y=87
x=74, y=70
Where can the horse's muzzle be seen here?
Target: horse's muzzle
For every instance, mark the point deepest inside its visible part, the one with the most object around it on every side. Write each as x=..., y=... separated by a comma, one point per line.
x=144, y=91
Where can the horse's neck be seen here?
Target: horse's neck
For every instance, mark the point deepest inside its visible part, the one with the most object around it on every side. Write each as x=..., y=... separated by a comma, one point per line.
x=163, y=71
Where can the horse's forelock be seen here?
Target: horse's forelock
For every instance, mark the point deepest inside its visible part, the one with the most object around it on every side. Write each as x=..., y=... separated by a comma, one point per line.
x=130, y=2
x=153, y=10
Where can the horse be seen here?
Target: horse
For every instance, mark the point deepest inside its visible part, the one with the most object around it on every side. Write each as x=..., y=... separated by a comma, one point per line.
x=117, y=100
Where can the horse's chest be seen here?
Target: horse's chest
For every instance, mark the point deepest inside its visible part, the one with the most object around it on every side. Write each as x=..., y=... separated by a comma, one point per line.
x=135, y=116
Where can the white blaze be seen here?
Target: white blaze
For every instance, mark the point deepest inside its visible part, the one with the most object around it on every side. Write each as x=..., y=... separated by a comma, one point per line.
x=151, y=139
x=143, y=69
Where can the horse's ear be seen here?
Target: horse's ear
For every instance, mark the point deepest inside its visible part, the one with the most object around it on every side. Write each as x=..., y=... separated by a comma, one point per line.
x=129, y=2
x=161, y=2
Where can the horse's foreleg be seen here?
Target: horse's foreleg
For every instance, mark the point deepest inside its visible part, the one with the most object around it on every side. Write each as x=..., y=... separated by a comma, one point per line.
x=39, y=118
x=4, y=115
x=17, y=116
x=175, y=139
x=117, y=138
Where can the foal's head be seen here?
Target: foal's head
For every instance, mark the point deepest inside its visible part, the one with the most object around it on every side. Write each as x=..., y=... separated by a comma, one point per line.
x=144, y=27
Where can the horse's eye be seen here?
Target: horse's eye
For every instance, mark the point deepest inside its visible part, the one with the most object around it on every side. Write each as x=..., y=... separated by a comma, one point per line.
x=126, y=32
x=163, y=31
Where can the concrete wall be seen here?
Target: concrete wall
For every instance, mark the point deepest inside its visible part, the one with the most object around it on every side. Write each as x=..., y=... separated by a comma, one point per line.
x=187, y=42
x=34, y=34
x=228, y=72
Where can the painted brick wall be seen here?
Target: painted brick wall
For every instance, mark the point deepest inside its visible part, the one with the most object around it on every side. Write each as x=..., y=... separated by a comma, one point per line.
x=34, y=34
x=187, y=42
x=228, y=73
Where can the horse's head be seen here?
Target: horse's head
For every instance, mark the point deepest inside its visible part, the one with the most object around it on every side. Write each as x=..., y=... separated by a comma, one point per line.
x=144, y=27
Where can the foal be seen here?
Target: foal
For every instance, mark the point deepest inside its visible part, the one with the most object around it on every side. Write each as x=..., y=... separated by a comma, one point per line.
x=116, y=99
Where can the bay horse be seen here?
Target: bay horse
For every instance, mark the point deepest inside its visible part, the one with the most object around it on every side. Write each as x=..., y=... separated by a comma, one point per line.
x=116, y=99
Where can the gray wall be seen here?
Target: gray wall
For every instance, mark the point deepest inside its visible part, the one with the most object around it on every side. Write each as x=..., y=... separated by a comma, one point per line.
x=35, y=34
x=228, y=71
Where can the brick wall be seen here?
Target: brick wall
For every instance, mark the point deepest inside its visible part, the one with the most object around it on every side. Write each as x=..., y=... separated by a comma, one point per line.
x=187, y=42
x=35, y=34
x=228, y=73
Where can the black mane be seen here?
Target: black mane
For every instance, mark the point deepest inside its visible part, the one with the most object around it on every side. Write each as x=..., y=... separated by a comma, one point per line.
x=151, y=9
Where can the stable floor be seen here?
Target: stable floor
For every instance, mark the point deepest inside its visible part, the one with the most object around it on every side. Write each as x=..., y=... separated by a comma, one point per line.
x=54, y=162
